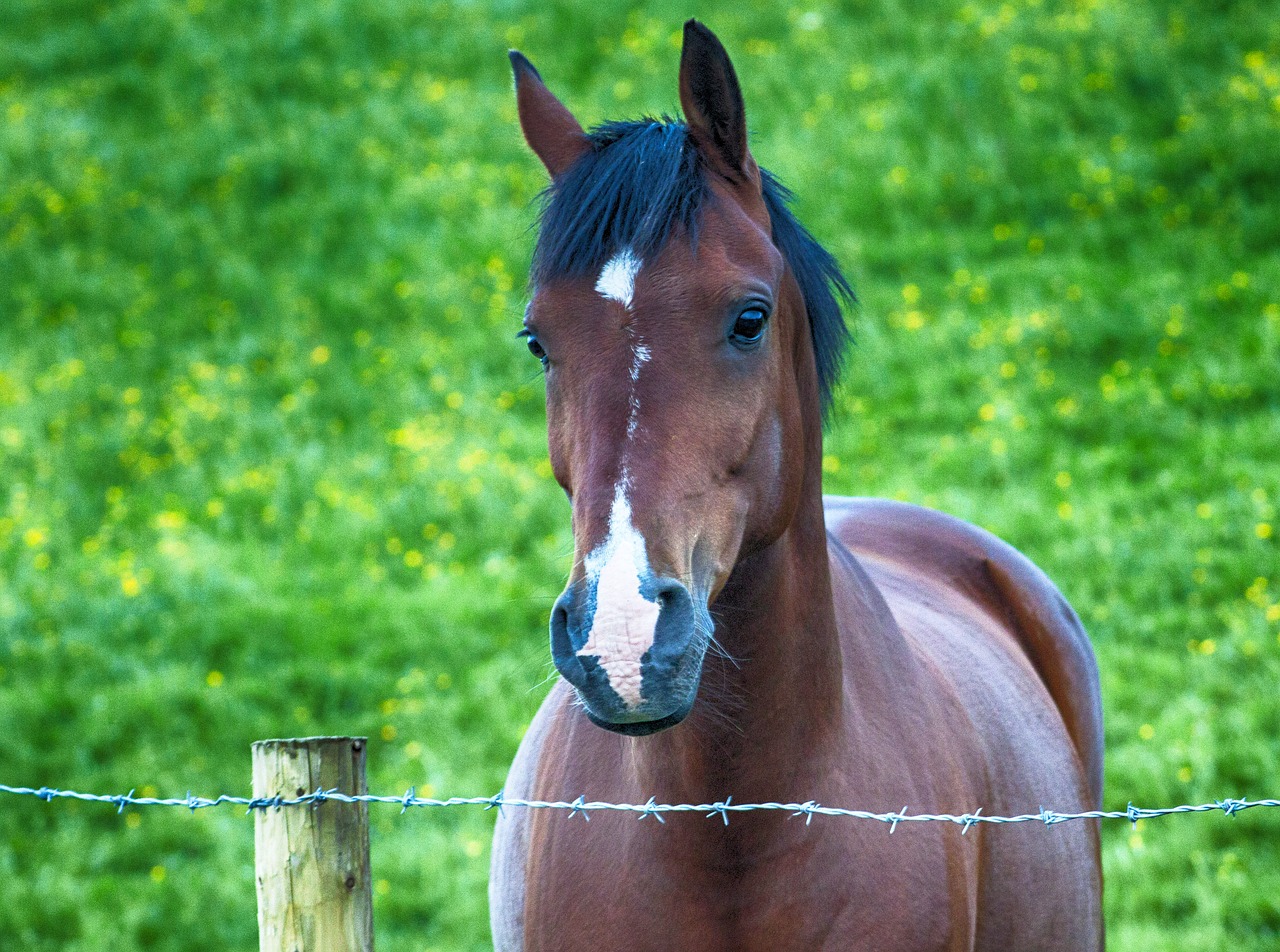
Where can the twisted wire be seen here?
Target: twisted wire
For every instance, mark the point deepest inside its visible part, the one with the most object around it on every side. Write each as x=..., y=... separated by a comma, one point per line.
x=581, y=806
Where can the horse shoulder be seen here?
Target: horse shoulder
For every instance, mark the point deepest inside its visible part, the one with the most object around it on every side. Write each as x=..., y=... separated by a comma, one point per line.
x=512, y=832
x=1003, y=584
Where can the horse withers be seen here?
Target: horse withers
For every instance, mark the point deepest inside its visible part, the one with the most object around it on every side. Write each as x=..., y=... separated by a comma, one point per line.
x=727, y=631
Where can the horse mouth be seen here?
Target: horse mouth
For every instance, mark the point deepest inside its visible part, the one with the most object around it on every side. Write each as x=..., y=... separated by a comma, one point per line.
x=642, y=728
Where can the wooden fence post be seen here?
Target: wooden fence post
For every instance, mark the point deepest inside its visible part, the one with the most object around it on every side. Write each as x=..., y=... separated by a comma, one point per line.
x=312, y=862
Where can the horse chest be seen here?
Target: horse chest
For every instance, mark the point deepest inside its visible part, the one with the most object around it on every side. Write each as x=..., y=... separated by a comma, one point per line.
x=631, y=884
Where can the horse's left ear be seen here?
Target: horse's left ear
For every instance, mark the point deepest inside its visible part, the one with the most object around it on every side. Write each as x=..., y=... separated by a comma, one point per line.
x=712, y=100
x=548, y=126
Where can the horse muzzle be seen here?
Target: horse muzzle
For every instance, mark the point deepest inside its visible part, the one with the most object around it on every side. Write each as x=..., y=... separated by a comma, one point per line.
x=633, y=654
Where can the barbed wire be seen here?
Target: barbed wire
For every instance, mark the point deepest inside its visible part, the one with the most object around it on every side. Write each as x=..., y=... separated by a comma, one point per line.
x=809, y=809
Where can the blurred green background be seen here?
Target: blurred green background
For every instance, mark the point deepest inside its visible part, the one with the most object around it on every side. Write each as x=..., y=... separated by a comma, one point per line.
x=272, y=462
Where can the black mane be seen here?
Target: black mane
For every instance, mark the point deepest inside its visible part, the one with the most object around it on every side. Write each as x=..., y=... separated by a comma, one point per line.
x=641, y=181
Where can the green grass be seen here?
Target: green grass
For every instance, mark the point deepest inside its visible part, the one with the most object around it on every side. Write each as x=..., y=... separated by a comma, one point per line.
x=271, y=463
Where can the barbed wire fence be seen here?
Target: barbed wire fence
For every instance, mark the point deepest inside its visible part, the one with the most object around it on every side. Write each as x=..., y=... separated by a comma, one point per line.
x=324, y=854
x=581, y=806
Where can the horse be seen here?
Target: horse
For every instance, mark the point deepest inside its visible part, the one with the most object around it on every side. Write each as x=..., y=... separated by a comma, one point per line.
x=726, y=631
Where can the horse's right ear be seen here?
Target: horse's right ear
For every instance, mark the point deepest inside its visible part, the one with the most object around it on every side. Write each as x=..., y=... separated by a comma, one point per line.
x=550, y=129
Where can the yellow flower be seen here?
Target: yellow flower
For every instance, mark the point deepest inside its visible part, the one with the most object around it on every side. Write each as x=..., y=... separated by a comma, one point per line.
x=170, y=520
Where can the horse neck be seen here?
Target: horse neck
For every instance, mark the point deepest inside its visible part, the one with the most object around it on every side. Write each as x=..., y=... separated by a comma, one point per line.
x=767, y=713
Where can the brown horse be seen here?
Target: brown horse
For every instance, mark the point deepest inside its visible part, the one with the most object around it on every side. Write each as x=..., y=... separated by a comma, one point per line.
x=728, y=632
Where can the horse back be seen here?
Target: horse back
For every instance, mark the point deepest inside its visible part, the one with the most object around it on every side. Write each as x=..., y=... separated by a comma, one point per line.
x=1002, y=583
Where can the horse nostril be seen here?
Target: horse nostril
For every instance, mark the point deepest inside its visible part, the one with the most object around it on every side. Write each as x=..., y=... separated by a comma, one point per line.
x=670, y=596
x=561, y=639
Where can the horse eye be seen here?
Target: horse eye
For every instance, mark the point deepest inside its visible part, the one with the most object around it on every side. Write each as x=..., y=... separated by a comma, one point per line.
x=749, y=327
x=535, y=348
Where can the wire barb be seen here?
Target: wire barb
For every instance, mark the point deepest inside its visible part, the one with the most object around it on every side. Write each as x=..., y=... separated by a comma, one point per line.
x=894, y=818
x=722, y=809
x=1230, y=807
x=496, y=801
x=651, y=809
x=806, y=810
x=1050, y=818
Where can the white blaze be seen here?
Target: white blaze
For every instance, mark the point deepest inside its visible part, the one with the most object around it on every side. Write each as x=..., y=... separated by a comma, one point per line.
x=623, y=627
x=624, y=623
x=640, y=354
x=617, y=280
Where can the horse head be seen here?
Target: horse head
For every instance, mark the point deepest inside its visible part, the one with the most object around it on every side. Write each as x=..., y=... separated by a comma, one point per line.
x=690, y=333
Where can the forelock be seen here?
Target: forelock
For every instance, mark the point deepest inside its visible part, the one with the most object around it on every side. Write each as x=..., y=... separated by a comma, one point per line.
x=639, y=182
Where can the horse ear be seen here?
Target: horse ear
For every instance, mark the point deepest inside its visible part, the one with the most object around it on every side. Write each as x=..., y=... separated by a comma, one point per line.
x=711, y=98
x=550, y=129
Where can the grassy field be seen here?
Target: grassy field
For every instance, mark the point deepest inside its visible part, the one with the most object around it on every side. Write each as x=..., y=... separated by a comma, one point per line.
x=272, y=463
